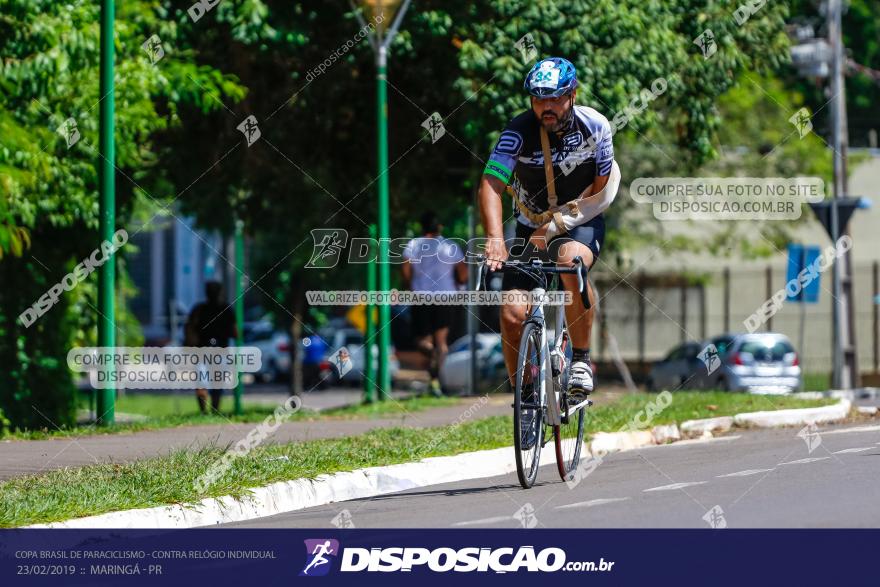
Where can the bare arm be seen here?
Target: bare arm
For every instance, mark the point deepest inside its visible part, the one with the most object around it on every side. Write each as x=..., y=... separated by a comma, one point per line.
x=491, y=190
x=598, y=184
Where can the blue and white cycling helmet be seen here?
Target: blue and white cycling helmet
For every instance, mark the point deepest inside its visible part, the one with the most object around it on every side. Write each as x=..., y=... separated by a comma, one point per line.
x=551, y=78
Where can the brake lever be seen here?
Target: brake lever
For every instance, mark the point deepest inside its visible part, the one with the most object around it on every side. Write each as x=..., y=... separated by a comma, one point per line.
x=480, y=271
x=582, y=282
x=579, y=263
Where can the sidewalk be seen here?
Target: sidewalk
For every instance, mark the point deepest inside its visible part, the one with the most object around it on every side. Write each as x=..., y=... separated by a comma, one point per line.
x=24, y=457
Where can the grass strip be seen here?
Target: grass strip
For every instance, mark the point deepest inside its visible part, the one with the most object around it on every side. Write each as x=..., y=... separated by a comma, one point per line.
x=96, y=489
x=171, y=411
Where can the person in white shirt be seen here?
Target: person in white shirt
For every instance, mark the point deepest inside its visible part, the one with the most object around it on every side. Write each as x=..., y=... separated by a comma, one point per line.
x=433, y=264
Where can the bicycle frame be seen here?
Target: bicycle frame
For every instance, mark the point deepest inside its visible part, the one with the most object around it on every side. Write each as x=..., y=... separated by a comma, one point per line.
x=552, y=415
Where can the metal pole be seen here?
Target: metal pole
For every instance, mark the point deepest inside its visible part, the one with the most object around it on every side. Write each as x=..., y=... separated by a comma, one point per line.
x=683, y=310
x=471, y=317
x=106, y=398
x=727, y=299
x=640, y=284
x=839, y=377
x=370, y=334
x=384, y=221
x=876, y=304
x=803, y=309
x=239, y=304
x=768, y=289
x=703, y=311
x=380, y=45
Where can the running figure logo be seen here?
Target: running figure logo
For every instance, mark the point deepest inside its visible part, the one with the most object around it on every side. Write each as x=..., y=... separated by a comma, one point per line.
x=328, y=245
x=706, y=42
x=250, y=130
x=317, y=552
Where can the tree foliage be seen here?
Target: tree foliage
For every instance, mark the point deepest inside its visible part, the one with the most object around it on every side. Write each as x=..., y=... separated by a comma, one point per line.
x=49, y=203
x=303, y=70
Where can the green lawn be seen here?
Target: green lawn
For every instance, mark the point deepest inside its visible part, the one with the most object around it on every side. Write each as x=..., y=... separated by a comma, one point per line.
x=168, y=411
x=95, y=489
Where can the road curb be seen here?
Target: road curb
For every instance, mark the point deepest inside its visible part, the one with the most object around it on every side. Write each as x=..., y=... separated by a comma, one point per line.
x=693, y=428
x=288, y=496
x=795, y=417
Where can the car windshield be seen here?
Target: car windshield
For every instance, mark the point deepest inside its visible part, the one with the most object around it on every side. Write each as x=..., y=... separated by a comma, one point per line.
x=767, y=350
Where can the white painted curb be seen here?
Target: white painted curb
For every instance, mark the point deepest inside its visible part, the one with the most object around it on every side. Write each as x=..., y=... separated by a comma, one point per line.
x=288, y=496
x=606, y=442
x=693, y=428
x=838, y=411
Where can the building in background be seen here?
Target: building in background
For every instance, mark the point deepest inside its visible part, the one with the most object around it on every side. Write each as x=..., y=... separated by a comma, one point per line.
x=172, y=263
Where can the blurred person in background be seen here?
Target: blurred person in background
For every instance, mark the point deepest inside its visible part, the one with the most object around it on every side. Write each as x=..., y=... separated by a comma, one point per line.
x=210, y=324
x=433, y=264
x=314, y=351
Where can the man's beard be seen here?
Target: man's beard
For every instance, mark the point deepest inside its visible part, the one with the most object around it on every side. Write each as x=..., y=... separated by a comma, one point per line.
x=555, y=124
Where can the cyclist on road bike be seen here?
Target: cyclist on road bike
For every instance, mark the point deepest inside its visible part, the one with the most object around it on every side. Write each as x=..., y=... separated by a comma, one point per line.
x=558, y=206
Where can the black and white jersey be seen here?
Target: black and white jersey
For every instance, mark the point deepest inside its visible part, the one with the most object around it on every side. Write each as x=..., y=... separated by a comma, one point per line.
x=580, y=152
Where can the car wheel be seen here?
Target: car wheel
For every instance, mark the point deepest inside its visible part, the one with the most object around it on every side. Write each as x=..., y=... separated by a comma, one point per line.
x=649, y=385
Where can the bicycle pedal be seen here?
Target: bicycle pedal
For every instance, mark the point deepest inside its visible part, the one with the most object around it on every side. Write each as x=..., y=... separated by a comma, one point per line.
x=584, y=404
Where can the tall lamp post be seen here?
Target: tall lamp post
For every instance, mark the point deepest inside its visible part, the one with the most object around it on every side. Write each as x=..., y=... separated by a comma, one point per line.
x=380, y=12
x=106, y=398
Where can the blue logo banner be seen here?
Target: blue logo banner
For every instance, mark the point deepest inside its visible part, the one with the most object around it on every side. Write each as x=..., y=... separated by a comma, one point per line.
x=254, y=558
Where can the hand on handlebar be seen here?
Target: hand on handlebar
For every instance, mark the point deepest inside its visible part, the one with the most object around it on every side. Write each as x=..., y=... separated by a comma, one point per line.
x=496, y=253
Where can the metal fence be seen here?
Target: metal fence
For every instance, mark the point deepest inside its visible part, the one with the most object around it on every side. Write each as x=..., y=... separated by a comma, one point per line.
x=648, y=314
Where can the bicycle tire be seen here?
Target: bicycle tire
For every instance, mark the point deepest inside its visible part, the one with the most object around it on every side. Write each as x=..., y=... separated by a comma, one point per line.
x=568, y=437
x=528, y=420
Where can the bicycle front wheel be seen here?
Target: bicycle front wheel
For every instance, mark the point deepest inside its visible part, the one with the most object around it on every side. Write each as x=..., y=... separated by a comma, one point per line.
x=569, y=435
x=528, y=413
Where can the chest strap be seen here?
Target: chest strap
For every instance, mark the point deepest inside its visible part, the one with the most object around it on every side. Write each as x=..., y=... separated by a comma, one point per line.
x=548, y=168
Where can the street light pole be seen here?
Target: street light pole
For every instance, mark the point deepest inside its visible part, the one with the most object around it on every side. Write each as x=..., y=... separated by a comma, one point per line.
x=844, y=374
x=369, y=342
x=239, y=307
x=384, y=221
x=380, y=44
x=106, y=398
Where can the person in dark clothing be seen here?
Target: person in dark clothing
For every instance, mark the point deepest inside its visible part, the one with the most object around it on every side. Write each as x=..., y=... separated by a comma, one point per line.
x=211, y=323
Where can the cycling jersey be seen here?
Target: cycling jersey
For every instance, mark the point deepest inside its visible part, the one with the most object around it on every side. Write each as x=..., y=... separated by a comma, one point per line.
x=580, y=152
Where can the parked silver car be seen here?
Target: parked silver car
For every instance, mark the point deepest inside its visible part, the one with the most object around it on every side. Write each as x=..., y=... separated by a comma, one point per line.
x=455, y=372
x=757, y=363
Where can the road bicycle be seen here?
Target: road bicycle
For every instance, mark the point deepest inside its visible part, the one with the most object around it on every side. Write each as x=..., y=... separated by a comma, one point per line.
x=540, y=398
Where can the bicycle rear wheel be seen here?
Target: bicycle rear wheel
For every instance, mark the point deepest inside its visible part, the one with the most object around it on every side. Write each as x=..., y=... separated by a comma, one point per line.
x=528, y=413
x=569, y=435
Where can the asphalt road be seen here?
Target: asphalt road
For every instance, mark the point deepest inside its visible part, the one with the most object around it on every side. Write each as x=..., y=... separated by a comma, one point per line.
x=754, y=478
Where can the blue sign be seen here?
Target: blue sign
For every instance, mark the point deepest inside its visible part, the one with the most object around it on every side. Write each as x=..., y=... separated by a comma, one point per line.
x=801, y=257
